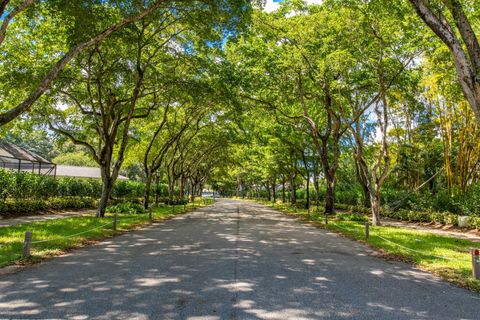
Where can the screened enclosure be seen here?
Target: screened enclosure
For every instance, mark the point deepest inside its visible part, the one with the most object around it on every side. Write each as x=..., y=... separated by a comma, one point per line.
x=16, y=158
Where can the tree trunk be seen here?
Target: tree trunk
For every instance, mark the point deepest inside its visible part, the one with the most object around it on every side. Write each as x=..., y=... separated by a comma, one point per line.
x=375, y=202
x=192, y=191
x=293, y=192
x=157, y=189
x=171, y=188
x=283, y=190
x=330, y=196
x=200, y=189
x=363, y=183
x=316, y=185
x=307, y=204
x=269, y=195
x=182, y=188
x=274, y=191
x=106, y=192
x=148, y=185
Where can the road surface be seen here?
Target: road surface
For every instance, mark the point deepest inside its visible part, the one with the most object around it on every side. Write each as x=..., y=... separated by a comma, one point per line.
x=218, y=263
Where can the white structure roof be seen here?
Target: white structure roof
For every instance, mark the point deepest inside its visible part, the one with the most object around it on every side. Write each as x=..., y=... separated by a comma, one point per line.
x=16, y=158
x=81, y=172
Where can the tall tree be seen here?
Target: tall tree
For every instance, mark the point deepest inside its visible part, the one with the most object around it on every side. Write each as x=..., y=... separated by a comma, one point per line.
x=449, y=20
x=110, y=88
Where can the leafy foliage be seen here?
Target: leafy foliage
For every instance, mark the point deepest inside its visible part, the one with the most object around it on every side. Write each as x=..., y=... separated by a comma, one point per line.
x=36, y=206
x=126, y=207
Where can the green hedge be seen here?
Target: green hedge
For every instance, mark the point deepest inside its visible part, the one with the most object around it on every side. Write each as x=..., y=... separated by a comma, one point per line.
x=422, y=216
x=126, y=207
x=27, y=185
x=414, y=215
x=31, y=206
x=474, y=221
x=130, y=189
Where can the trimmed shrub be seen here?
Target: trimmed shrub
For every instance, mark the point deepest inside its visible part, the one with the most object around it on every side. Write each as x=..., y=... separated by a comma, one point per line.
x=474, y=221
x=6, y=182
x=132, y=189
x=126, y=207
x=422, y=216
x=79, y=187
x=27, y=185
x=31, y=206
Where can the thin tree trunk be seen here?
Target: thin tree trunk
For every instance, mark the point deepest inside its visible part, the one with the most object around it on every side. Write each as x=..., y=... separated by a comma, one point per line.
x=182, y=187
x=274, y=191
x=375, y=202
x=148, y=185
x=106, y=192
x=269, y=195
x=330, y=197
x=363, y=183
x=316, y=185
x=307, y=204
x=293, y=190
x=157, y=189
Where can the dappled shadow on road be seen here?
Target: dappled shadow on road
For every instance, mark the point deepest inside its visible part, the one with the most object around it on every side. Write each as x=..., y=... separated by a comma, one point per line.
x=232, y=261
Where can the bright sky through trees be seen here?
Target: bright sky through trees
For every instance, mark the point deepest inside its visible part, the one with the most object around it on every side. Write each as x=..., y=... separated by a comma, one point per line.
x=272, y=5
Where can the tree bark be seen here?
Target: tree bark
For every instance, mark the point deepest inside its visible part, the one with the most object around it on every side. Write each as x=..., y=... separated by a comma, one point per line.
x=182, y=187
x=293, y=191
x=157, y=189
x=274, y=191
x=316, y=185
x=106, y=193
x=307, y=204
x=375, y=202
x=269, y=195
x=361, y=177
x=330, y=197
x=148, y=185
x=467, y=63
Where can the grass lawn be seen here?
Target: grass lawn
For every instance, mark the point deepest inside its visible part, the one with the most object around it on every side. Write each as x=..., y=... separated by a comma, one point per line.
x=58, y=238
x=446, y=257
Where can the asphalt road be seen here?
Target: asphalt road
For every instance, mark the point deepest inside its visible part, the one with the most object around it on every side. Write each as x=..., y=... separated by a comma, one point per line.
x=217, y=263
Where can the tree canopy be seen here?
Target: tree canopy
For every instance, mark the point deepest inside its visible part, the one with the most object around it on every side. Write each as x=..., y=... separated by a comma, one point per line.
x=370, y=103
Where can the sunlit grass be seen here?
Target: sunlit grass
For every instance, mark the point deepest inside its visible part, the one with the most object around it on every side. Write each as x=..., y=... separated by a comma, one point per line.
x=59, y=233
x=447, y=257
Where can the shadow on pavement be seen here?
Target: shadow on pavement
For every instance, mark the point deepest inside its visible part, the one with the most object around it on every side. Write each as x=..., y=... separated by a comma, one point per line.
x=217, y=263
